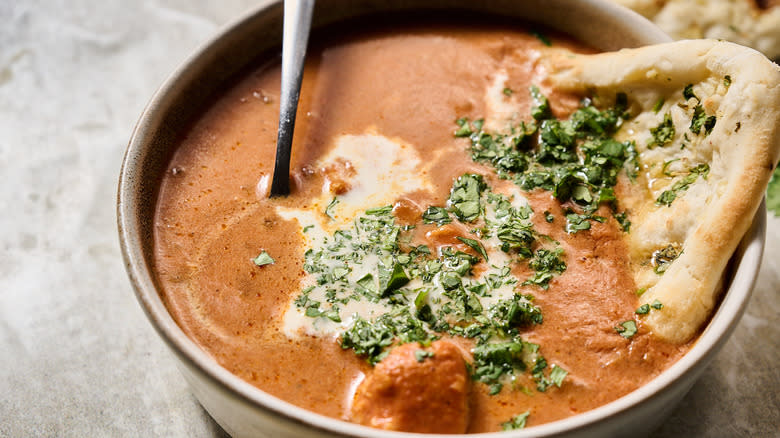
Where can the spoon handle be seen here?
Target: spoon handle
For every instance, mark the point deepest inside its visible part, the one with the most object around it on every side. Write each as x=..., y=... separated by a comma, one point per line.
x=297, y=22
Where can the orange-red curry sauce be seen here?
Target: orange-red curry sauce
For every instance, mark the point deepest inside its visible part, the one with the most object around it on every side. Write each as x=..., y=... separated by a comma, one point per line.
x=410, y=83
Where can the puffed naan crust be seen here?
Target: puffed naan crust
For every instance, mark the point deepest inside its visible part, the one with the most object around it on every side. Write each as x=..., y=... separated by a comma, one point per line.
x=739, y=21
x=709, y=218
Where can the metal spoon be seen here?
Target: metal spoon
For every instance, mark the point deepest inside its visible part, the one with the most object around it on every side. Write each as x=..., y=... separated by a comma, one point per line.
x=297, y=22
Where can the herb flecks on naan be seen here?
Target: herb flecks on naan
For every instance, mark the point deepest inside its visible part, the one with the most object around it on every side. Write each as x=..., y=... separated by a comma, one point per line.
x=707, y=136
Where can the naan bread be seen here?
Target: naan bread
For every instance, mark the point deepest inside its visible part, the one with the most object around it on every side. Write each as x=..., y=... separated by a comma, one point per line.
x=740, y=21
x=738, y=86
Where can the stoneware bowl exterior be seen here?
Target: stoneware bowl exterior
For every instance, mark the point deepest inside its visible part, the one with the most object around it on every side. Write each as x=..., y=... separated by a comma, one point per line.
x=245, y=411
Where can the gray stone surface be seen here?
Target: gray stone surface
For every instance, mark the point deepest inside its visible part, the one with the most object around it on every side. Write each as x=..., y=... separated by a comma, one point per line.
x=77, y=356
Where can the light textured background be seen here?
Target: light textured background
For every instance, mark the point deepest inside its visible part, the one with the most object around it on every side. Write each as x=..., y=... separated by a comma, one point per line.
x=77, y=356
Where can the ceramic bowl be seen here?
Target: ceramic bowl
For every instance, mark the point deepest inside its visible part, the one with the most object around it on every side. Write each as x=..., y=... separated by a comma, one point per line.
x=245, y=411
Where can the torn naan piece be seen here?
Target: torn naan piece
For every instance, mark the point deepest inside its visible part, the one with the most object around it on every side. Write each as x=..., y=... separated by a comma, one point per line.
x=706, y=117
x=753, y=23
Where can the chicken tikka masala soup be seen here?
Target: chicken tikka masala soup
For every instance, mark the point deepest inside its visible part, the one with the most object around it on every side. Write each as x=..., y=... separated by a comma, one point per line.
x=452, y=256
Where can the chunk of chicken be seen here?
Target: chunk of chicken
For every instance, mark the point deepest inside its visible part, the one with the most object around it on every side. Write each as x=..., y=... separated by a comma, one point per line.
x=416, y=389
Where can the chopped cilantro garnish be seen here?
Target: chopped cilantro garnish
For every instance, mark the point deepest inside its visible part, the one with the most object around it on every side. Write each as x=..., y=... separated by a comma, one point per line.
x=644, y=309
x=666, y=166
x=493, y=360
x=663, y=133
x=541, y=106
x=511, y=313
x=557, y=374
x=396, y=279
x=516, y=422
x=626, y=329
x=639, y=292
x=548, y=217
x=577, y=222
x=421, y=355
x=436, y=215
x=658, y=105
x=773, y=193
x=330, y=207
x=556, y=142
x=368, y=339
x=688, y=92
x=702, y=120
x=465, y=196
x=507, y=91
x=657, y=305
x=475, y=245
x=366, y=285
x=464, y=129
x=668, y=196
x=662, y=258
x=542, y=37
x=314, y=311
x=575, y=159
x=622, y=219
x=263, y=259
x=546, y=264
x=378, y=211
x=516, y=235
x=419, y=300
x=727, y=81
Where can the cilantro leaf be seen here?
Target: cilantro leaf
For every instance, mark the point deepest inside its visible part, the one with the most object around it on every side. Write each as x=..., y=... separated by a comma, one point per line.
x=396, y=279
x=662, y=258
x=517, y=422
x=330, y=207
x=541, y=106
x=773, y=193
x=622, y=219
x=577, y=222
x=421, y=355
x=557, y=374
x=475, y=245
x=517, y=311
x=515, y=235
x=668, y=196
x=663, y=133
x=545, y=264
x=263, y=259
x=658, y=105
x=465, y=196
x=688, y=92
x=436, y=215
x=627, y=329
x=314, y=311
x=379, y=211
x=494, y=360
x=368, y=339
x=464, y=129
x=701, y=120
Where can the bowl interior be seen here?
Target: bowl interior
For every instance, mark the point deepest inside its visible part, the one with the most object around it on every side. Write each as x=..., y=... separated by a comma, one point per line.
x=257, y=37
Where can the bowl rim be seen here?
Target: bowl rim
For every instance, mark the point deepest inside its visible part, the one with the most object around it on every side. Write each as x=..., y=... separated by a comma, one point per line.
x=732, y=304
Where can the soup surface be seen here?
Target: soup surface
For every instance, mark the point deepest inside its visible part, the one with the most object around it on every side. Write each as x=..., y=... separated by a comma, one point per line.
x=376, y=128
